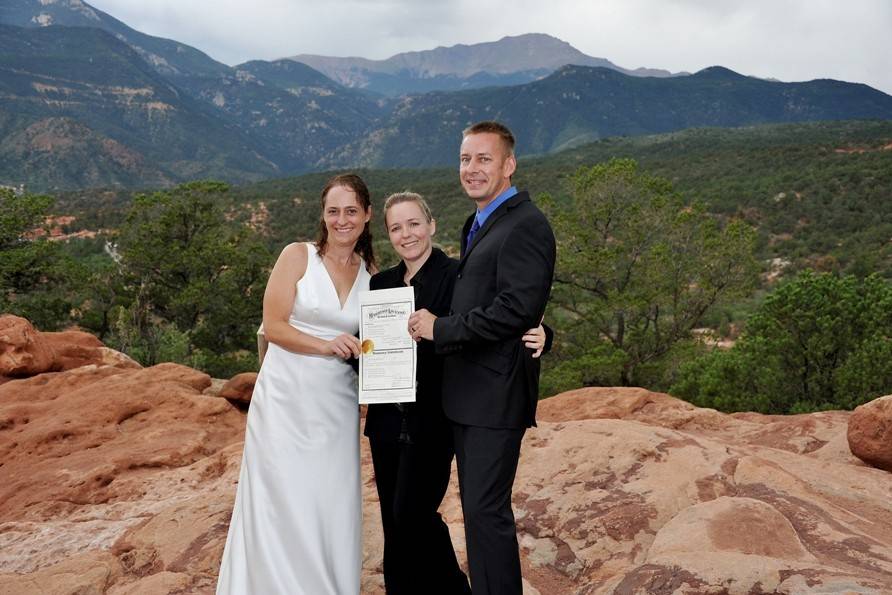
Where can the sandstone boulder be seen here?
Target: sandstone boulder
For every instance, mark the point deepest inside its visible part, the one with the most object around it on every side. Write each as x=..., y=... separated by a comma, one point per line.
x=239, y=388
x=23, y=351
x=743, y=539
x=870, y=433
x=73, y=349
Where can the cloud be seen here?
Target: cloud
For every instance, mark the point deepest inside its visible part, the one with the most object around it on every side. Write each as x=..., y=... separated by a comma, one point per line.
x=784, y=39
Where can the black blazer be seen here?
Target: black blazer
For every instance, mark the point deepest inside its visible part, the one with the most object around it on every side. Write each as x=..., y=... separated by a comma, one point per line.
x=433, y=285
x=503, y=282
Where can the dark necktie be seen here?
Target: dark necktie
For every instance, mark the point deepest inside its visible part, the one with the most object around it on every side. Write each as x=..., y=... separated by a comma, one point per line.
x=475, y=227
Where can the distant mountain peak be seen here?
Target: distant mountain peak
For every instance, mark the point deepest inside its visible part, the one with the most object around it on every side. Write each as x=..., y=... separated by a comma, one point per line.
x=511, y=60
x=541, y=40
x=533, y=41
x=719, y=72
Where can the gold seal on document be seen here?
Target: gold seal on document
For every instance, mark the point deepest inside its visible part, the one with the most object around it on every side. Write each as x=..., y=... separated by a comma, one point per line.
x=368, y=346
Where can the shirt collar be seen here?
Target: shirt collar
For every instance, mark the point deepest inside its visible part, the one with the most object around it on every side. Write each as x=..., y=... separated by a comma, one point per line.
x=483, y=215
x=432, y=261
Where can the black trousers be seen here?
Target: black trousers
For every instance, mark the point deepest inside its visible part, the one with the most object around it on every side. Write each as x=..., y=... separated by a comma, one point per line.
x=418, y=554
x=487, y=462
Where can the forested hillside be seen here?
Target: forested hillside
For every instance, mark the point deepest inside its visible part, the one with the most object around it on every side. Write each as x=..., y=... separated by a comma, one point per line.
x=819, y=194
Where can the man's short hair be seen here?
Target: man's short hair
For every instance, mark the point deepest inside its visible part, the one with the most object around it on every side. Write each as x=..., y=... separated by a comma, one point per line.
x=495, y=128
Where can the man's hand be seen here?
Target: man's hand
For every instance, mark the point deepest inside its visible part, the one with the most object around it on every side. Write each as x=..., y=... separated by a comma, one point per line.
x=421, y=325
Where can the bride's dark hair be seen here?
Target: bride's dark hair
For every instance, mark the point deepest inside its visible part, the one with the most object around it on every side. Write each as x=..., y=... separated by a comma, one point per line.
x=364, y=243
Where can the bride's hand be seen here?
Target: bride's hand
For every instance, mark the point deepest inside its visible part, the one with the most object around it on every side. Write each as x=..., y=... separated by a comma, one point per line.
x=343, y=346
x=535, y=339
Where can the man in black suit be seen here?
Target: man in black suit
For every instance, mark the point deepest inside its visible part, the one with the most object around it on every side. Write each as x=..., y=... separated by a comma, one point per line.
x=490, y=381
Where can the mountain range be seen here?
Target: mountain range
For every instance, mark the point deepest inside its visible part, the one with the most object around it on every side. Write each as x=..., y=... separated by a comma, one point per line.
x=578, y=104
x=89, y=101
x=509, y=61
x=82, y=107
x=166, y=56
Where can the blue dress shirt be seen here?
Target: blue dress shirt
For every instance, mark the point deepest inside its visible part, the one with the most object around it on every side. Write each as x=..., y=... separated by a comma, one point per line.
x=483, y=215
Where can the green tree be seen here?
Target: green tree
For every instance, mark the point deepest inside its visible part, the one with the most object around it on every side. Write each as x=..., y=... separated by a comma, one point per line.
x=101, y=291
x=820, y=341
x=637, y=270
x=196, y=273
x=34, y=273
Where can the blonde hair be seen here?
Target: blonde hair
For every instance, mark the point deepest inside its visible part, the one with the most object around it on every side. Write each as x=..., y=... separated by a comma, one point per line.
x=401, y=197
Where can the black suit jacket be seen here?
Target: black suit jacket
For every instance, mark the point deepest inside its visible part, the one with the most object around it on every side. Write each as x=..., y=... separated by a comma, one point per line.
x=501, y=289
x=433, y=285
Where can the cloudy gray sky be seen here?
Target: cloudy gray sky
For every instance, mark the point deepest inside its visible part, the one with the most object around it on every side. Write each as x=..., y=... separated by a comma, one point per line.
x=791, y=40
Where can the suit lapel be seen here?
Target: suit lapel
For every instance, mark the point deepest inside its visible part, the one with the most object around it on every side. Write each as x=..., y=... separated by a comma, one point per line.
x=490, y=221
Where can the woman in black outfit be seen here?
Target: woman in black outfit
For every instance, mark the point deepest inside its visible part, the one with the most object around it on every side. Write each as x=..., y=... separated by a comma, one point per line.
x=411, y=444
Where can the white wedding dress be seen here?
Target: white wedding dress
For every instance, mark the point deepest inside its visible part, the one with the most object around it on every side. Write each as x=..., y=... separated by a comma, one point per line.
x=297, y=522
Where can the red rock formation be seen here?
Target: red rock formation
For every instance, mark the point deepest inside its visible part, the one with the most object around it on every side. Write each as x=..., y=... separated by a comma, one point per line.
x=129, y=464
x=870, y=433
x=23, y=352
x=630, y=504
x=239, y=388
x=121, y=481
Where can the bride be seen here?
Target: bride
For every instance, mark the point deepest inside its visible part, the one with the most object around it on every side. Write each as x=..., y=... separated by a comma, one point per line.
x=297, y=520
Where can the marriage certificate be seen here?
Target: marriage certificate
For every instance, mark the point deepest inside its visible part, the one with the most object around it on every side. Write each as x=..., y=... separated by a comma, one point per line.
x=387, y=363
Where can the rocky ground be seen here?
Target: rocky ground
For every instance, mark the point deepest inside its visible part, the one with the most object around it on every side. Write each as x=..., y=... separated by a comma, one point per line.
x=118, y=479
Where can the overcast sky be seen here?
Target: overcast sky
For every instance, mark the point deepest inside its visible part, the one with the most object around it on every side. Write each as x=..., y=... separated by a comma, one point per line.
x=791, y=40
